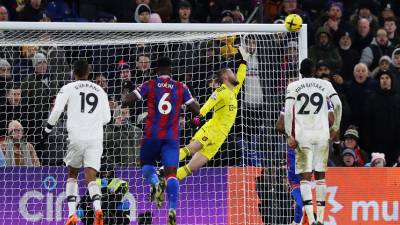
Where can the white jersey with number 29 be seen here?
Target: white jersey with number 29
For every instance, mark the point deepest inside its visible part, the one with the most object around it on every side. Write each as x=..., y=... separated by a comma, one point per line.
x=306, y=113
x=88, y=110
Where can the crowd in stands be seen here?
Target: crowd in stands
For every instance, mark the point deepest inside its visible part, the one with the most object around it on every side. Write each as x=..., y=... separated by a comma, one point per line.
x=354, y=44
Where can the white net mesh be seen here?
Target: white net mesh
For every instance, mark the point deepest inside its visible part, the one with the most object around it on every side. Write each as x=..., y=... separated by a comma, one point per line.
x=245, y=183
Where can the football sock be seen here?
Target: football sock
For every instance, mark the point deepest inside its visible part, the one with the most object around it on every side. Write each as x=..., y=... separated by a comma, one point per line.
x=72, y=193
x=183, y=172
x=306, y=194
x=172, y=191
x=95, y=194
x=298, y=211
x=150, y=173
x=320, y=193
x=183, y=153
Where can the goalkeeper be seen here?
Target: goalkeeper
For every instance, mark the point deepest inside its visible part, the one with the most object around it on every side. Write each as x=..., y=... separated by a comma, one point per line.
x=209, y=138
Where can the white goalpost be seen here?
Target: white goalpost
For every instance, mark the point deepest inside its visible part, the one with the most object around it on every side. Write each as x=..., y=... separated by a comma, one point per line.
x=246, y=182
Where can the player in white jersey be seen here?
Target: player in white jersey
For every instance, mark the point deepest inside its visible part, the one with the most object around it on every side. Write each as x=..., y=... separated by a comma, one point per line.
x=307, y=128
x=88, y=111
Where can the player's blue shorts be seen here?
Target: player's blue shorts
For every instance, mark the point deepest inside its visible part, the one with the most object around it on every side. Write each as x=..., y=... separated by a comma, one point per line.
x=154, y=149
x=294, y=180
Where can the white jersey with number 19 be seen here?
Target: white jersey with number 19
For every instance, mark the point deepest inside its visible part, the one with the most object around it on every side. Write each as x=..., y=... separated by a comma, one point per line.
x=88, y=110
x=306, y=104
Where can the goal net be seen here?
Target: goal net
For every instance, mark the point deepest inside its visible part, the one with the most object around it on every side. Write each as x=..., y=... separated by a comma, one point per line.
x=245, y=183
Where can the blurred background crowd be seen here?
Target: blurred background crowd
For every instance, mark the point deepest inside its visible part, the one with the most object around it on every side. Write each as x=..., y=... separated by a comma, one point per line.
x=354, y=44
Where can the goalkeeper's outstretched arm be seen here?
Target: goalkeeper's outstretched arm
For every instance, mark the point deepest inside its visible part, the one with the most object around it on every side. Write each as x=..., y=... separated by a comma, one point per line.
x=241, y=73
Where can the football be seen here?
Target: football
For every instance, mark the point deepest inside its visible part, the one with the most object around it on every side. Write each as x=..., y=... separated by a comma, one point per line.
x=293, y=23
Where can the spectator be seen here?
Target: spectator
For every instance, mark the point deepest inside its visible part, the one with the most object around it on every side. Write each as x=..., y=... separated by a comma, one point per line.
x=291, y=7
x=12, y=109
x=357, y=92
x=325, y=50
x=227, y=16
x=348, y=158
x=364, y=12
x=364, y=35
x=386, y=13
x=162, y=8
x=333, y=21
x=384, y=64
x=101, y=80
x=32, y=11
x=379, y=47
x=238, y=16
x=24, y=67
x=350, y=56
x=17, y=151
x=351, y=138
x=391, y=28
x=123, y=84
x=142, y=13
x=185, y=13
x=122, y=140
x=143, y=70
x=39, y=63
x=378, y=160
x=395, y=68
x=155, y=18
x=37, y=90
x=323, y=70
x=383, y=116
x=5, y=78
x=3, y=14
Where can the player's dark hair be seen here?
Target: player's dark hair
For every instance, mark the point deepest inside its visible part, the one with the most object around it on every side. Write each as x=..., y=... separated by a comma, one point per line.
x=163, y=65
x=220, y=73
x=163, y=62
x=307, y=68
x=81, y=68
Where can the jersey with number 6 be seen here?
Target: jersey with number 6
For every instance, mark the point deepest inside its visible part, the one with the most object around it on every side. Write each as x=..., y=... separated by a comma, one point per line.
x=306, y=112
x=88, y=110
x=165, y=98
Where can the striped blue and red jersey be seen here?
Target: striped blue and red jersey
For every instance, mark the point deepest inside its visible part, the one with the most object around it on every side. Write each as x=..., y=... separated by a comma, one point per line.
x=165, y=98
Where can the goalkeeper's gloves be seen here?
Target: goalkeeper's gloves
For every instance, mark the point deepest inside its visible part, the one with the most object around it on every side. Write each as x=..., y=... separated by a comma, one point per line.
x=244, y=53
x=198, y=120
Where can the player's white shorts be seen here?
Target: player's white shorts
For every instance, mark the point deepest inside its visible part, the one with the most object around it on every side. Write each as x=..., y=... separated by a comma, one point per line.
x=86, y=153
x=312, y=157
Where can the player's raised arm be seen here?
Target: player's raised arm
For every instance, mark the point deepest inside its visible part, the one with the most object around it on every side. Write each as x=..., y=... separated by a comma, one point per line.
x=337, y=106
x=58, y=109
x=241, y=73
